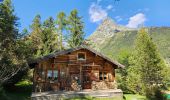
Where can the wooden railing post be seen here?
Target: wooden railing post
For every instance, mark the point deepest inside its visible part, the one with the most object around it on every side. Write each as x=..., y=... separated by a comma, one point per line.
x=58, y=73
x=52, y=71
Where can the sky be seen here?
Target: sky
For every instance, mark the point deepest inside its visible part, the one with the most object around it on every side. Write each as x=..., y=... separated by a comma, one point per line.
x=130, y=13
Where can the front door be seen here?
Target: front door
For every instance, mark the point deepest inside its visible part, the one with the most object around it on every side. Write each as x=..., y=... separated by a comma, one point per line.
x=86, y=80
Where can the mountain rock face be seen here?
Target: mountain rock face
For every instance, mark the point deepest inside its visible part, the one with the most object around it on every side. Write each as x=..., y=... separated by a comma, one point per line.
x=112, y=39
x=106, y=30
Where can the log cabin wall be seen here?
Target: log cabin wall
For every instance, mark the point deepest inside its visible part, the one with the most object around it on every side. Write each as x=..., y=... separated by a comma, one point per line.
x=67, y=72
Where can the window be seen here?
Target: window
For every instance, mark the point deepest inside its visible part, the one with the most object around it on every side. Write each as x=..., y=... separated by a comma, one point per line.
x=102, y=75
x=52, y=73
x=105, y=76
x=63, y=70
x=81, y=56
x=49, y=75
x=55, y=74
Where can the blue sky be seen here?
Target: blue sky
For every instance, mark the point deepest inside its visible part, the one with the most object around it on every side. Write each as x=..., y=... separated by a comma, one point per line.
x=131, y=13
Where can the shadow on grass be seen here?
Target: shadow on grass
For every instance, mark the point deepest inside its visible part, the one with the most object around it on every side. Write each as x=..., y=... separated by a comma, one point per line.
x=19, y=92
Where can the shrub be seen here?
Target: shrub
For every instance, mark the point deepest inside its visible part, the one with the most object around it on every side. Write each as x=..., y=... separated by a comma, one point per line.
x=154, y=93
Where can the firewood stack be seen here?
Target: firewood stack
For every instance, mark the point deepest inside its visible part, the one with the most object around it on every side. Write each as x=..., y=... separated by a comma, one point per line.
x=75, y=86
x=103, y=85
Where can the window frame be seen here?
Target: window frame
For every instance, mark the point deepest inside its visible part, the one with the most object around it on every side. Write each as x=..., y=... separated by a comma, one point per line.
x=54, y=77
x=49, y=73
x=84, y=56
x=103, y=76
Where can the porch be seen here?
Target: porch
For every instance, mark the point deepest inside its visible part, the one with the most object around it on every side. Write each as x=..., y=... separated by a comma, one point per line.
x=59, y=95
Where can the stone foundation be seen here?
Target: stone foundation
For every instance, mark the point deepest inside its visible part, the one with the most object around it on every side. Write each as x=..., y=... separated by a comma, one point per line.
x=110, y=93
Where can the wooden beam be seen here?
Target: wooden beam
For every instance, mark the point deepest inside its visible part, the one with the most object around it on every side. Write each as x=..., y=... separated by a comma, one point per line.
x=58, y=72
x=52, y=66
x=80, y=74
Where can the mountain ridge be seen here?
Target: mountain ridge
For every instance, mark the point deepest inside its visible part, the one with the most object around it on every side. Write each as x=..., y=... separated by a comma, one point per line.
x=110, y=42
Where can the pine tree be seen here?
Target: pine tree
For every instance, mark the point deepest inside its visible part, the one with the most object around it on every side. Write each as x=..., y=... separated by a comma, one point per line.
x=147, y=67
x=75, y=27
x=8, y=25
x=49, y=37
x=122, y=74
x=62, y=23
x=12, y=59
x=36, y=33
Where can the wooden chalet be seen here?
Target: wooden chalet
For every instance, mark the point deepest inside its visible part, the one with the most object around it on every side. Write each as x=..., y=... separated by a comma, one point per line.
x=74, y=70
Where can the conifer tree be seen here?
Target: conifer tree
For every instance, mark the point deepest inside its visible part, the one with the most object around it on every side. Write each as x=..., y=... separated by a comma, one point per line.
x=12, y=57
x=35, y=36
x=8, y=25
x=147, y=67
x=49, y=37
x=75, y=27
x=62, y=23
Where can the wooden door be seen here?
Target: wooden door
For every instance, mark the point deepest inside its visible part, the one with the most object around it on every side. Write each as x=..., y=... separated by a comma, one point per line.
x=86, y=80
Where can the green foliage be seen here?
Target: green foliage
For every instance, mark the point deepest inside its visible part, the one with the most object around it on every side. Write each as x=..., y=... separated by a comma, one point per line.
x=62, y=26
x=134, y=97
x=49, y=37
x=125, y=40
x=35, y=36
x=21, y=91
x=43, y=37
x=133, y=78
x=12, y=48
x=122, y=73
x=154, y=93
x=94, y=98
x=75, y=27
x=147, y=69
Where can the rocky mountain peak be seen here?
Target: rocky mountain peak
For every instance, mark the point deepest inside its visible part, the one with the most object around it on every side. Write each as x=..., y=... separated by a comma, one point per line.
x=105, y=30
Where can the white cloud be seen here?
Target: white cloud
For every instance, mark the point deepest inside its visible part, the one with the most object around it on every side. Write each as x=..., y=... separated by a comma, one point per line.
x=118, y=18
x=109, y=7
x=136, y=20
x=97, y=13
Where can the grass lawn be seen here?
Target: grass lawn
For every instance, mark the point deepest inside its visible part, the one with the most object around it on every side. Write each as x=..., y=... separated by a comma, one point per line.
x=93, y=98
x=134, y=97
x=21, y=91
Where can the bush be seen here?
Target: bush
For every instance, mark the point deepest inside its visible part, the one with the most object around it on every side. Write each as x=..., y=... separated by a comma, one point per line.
x=154, y=93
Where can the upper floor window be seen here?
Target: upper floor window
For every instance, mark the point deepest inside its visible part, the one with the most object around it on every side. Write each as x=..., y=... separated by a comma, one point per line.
x=81, y=56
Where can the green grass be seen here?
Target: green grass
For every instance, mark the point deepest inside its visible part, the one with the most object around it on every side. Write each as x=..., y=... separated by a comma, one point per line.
x=93, y=98
x=134, y=97
x=21, y=91
x=18, y=96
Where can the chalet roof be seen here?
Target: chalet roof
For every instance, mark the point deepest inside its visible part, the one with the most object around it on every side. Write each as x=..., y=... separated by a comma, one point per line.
x=58, y=53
